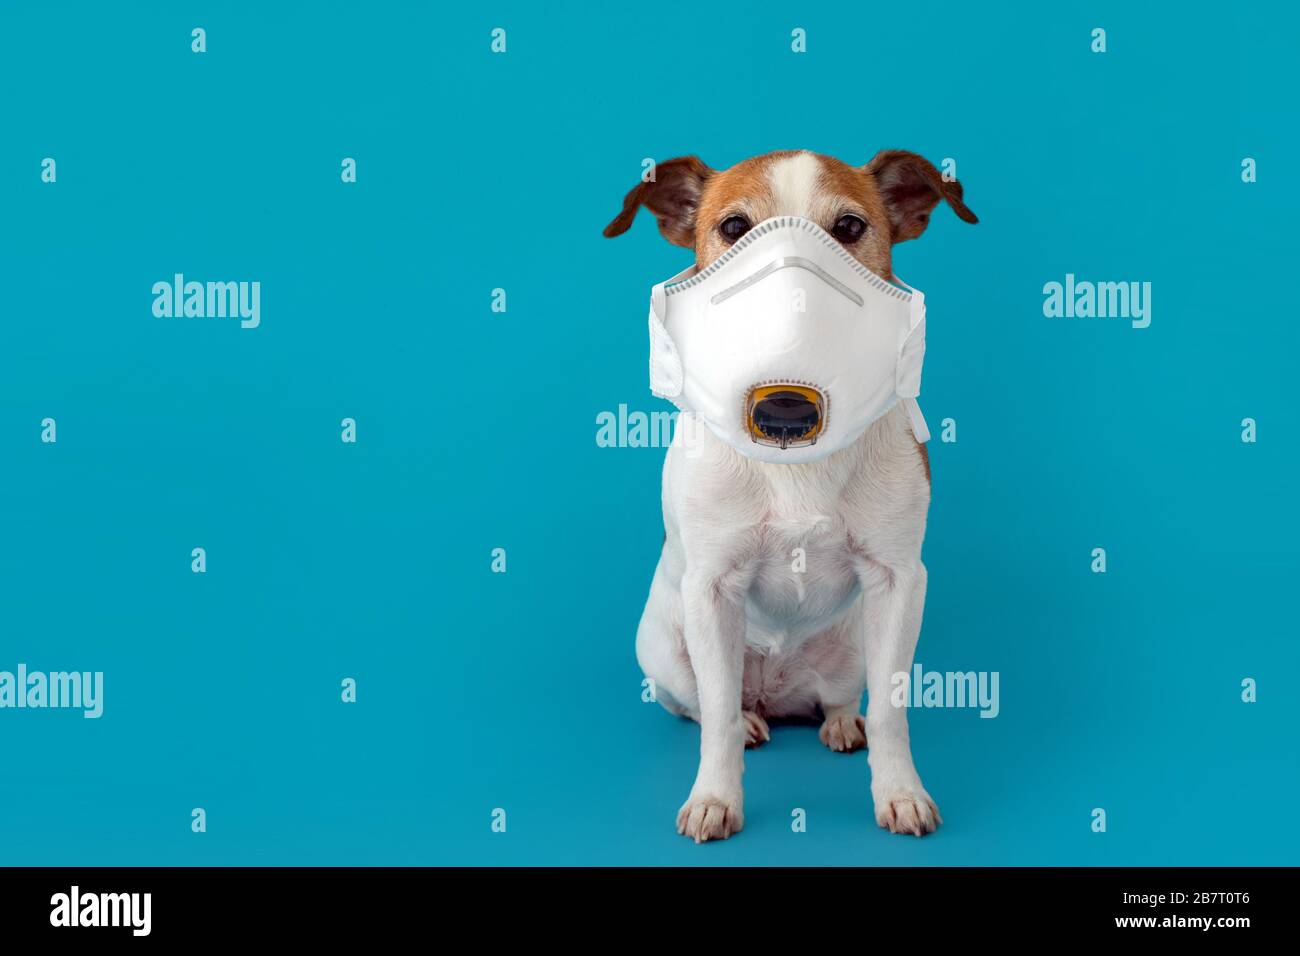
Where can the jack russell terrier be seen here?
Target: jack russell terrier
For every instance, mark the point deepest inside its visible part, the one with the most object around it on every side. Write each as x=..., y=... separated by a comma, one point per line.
x=791, y=576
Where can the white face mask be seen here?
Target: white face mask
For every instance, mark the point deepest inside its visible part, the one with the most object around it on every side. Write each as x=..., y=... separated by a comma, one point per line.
x=787, y=347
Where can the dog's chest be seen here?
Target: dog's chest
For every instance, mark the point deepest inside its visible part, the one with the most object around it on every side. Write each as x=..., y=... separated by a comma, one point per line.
x=804, y=576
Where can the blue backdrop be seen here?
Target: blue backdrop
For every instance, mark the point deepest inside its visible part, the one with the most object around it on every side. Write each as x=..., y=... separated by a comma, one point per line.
x=476, y=429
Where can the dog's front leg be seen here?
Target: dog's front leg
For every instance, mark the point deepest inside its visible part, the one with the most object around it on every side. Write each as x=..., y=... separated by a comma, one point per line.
x=714, y=612
x=895, y=599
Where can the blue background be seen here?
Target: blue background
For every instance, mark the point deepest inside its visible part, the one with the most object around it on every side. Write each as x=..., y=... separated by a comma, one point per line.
x=477, y=430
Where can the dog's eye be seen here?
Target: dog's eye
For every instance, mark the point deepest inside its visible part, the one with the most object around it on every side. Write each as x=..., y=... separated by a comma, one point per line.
x=733, y=227
x=849, y=229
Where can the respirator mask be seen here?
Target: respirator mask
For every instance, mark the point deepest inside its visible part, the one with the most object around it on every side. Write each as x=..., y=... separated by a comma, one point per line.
x=787, y=347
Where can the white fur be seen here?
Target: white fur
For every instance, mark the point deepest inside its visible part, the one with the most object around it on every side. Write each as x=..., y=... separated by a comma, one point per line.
x=793, y=180
x=796, y=188
x=732, y=634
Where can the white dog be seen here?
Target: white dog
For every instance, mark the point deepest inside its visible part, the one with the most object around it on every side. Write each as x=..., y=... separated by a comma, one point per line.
x=732, y=634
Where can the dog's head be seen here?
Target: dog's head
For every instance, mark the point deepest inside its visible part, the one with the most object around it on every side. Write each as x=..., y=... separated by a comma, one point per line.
x=867, y=208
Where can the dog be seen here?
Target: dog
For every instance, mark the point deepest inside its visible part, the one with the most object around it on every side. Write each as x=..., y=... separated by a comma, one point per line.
x=730, y=637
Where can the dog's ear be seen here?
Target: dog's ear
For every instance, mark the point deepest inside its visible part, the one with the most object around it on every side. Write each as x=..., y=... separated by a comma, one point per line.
x=673, y=196
x=910, y=187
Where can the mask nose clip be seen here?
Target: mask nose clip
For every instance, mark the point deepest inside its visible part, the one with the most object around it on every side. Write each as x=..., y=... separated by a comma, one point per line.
x=785, y=415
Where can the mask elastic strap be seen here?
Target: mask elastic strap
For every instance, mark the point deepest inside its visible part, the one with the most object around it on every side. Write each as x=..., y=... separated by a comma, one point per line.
x=910, y=356
x=920, y=430
x=667, y=377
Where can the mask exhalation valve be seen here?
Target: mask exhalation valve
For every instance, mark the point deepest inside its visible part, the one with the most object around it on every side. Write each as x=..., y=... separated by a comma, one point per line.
x=785, y=415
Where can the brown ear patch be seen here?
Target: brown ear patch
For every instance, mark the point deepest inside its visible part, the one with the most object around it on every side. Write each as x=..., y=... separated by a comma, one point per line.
x=911, y=187
x=673, y=196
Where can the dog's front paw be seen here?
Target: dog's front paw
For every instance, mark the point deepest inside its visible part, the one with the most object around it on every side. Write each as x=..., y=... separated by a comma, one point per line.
x=906, y=809
x=705, y=817
x=844, y=733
